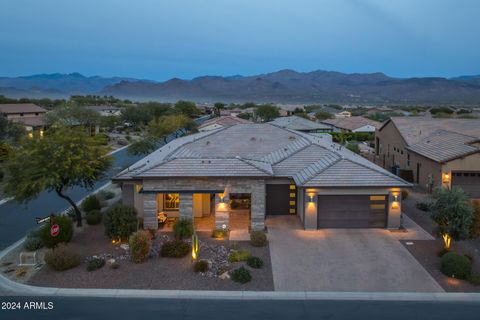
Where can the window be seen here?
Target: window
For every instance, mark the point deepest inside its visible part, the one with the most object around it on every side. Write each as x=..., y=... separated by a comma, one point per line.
x=377, y=206
x=377, y=198
x=170, y=201
x=292, y=187
x=408, y=159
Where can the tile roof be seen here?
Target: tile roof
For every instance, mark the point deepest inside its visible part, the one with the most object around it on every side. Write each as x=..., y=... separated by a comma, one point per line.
x=223, y=121
x=443, y=145
x=37, y=121
x=21, y=108
x=299, y=123
x=352, y=123
x=259, y=150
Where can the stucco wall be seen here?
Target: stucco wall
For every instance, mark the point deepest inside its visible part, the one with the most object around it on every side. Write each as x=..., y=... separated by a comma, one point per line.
x=390, y=138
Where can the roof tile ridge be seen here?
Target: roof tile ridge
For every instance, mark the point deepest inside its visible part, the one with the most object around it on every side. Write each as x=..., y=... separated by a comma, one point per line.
x=317, y=172
x=383, y=171
x=250, y=162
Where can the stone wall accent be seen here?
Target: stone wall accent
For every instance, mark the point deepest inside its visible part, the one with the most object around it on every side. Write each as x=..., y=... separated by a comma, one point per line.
x=150, y=220
x=257, y=214
x=185, y=206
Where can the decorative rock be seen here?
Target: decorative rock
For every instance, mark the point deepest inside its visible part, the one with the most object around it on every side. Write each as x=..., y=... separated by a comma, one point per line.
x=224, y=276
x=110, y=261
x=125, y=246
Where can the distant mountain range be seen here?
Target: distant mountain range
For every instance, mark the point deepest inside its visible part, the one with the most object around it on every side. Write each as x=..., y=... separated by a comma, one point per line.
x=285, y=86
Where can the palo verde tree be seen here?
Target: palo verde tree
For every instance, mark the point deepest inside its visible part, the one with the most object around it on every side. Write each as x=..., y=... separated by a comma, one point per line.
x=62, y=159
x=452, y=211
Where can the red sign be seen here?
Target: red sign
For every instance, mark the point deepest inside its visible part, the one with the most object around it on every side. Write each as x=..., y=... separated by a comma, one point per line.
x=54, y=230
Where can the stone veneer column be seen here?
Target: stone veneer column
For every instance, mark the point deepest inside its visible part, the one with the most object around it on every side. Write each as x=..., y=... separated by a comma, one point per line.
x=222, y=212
x=394, y=209
x=257, y=210
x=150, y=220
x=185, y=205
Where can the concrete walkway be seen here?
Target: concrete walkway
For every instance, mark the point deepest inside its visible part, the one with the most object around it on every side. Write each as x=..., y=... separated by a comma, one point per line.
x=363, y=260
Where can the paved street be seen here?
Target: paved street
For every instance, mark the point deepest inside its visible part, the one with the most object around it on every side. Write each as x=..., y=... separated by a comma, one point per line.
x=369, y=260
x=133, y=308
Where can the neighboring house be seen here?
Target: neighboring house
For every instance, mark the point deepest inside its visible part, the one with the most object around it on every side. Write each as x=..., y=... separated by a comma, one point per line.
x=276, y=171
x=106, y=110
x=353, y=124
x=221, y=122
x=432, y=152
x=29, y=115
x=301, y=124
x=374, y=110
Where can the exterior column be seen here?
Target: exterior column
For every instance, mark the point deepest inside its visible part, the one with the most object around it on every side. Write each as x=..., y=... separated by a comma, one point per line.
x=185, y=205
x=150, y=220
x=311, y=210
x=222, y=211
x=257, y=210
x=394, y=209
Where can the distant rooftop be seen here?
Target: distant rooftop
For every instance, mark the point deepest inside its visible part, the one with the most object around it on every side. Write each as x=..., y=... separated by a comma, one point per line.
x=299, y=123
x=352, y=123
x=224, y=121
x=261, y=150
x=21, y=108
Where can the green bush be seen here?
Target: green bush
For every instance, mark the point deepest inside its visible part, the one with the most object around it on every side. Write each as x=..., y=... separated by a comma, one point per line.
x=474, y=278
x=33, y=244
x=255, y=262
x=475, y=226
x=91, y=203
x=240, y=255
x=456, y=265
x=93, y=217
x=120, y=222
x=95, y=263
x=424, y=206
x=200, y=266
x=101, y=138
x=183, y=228
x=106, y=195
x=115, y=265
x=404, y=194
x=175, y=249
x=241, y=275
x=219, y=234
x=65, y=235
x=258, y=239
x=442, y=252
x=62, y=258
x=35, y=233
x=140, y=243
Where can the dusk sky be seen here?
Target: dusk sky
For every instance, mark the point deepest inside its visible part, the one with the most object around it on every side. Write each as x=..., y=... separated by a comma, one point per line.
x=160, y=39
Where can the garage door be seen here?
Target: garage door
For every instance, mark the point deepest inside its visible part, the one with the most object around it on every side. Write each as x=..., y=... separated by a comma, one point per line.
x=352, y=211
x=280, y=199
x=468, y=181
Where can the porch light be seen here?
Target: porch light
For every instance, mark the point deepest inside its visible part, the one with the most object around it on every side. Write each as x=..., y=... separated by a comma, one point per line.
x=446, y=177
x=41, y=133
x=311, y=195
x=395, y=205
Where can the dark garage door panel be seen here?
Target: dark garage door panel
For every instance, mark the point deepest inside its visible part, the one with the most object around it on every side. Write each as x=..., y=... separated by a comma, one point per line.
x=468, y=181
x=278, y=199
x=352, y=211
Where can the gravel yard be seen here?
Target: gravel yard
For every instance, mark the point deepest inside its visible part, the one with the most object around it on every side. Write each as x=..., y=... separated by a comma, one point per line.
x=157, y=272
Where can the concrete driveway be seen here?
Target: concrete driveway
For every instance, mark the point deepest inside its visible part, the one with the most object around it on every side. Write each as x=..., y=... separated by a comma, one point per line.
x=370, y=260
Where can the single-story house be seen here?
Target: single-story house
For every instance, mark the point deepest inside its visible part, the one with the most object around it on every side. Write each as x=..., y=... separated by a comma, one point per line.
x=432, y=152
x=353, y=124
x=236, y=176
x=301, y=124
x=29, y=115
x=221, y=122
x=106, y=111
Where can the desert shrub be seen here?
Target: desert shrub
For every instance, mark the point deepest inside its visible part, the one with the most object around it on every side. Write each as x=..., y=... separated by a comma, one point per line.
x=240, y=255
x=32, y=244
x=91, y=203
x=469, y=256
x=200, y=266
x=62, y=258
x=122, y=142
x=456, y=265
x=35, y=233
x=219, y=234
x=128, y=138
x=106, y=195
x=94, y=217
x=140, y=243
x=424, y=206
x=95, y=263
x=241, y=275
x=175, y=249
x=404, y=194
x=120, y=222
x=475, y=226
x=101, y=138
x=65, y=235
x=442, y=252
x=183, y=228
x=258, y=238
x=255, y=262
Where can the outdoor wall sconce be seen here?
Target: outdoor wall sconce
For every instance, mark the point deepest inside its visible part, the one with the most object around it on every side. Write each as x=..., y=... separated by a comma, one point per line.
x=222, y=197
x=445, y=177
x=395, y=205
x=311, y=195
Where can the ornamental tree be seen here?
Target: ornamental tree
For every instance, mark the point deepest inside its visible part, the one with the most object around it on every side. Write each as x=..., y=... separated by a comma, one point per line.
x=62, y=159
x=452, y=211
